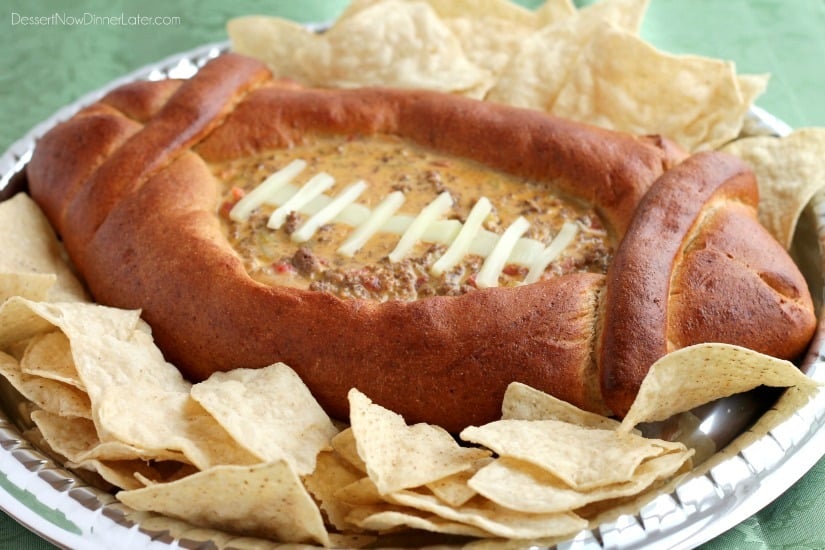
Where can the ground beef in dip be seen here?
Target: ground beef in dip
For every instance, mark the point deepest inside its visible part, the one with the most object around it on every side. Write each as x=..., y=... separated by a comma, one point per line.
x=389, y=164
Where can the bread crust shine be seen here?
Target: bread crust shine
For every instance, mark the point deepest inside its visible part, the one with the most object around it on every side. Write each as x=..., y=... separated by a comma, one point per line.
x=127, y=184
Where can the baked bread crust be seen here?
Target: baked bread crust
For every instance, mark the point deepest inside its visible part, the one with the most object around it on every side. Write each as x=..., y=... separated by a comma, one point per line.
x=696, y=266
x=126, y=182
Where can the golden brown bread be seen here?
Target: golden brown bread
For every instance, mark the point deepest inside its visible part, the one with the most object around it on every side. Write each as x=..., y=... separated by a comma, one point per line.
x=127, y=184
x=695, y=266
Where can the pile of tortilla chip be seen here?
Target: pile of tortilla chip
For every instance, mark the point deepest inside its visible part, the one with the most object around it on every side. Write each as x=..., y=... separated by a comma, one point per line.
x=250, y=452
x=589, y=64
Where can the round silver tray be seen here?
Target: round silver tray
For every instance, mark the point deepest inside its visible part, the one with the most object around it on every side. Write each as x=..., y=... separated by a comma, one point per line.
x=769, y=439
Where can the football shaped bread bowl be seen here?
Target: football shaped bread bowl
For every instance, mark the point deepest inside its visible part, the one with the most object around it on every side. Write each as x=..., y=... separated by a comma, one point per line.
x=424, y=248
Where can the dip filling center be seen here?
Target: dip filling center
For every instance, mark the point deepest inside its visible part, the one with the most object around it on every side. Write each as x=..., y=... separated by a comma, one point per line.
x=380, y=218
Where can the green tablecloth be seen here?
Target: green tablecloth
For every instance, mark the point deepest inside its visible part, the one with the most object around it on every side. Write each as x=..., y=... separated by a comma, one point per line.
x=46, y=66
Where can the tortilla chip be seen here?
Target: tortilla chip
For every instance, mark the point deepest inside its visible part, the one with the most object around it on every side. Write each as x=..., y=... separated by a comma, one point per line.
x=49, y=395
x=488, y=41
x=168, y=421
x=540, y=67
x=521, y=486
x=623, y=83
x=551, y=11
x=504, y=10
x=752, y=86
x=267, y=500
x=346, y=447
x=277, y=42
x=360, y=492
x=398, y=456
x=49, y=355
x=132, y=474
x=494, y=519
x=77, y=440
x=599, y=458
x=269, y=412
x=32, y=264
x=454, y=489
x=29, y=285
x=385, y=518
x=790, y=170
x=332, y=473
x=354, y=7
x=411, y=47
x=699, y=374
x=110, y=347
x=521, y=402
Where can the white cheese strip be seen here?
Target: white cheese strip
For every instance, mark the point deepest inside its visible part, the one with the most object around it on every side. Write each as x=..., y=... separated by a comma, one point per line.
x=459, y=247
x=353, y=215
x=397, y=224
x=525, y=251
x=430, y=213
x=560, y=242
x=484, y=243
x=491, y=268
x=442, y=231
x=261, y=194
x=282, y=195
x=316, y=185
x=329, y=211
x=379, y=216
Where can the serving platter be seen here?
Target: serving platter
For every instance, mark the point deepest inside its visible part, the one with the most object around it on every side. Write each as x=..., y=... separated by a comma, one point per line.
x=769, y=439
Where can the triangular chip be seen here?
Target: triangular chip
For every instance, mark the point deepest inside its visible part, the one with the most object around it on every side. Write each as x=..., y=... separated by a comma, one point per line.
x=789, y=170
x=267, y=501
x=398, y=456
x=168, y=421
x=623, y=83
x=494, y=519
x=270, y=412
x=521, y=402
x=50, y=395
x=699, y=374
x=543, y=61
x=521, y=486
x=32, y=263
x=599, y=457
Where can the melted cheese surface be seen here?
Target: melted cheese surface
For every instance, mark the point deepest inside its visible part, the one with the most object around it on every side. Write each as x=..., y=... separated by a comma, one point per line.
x=385, y=187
